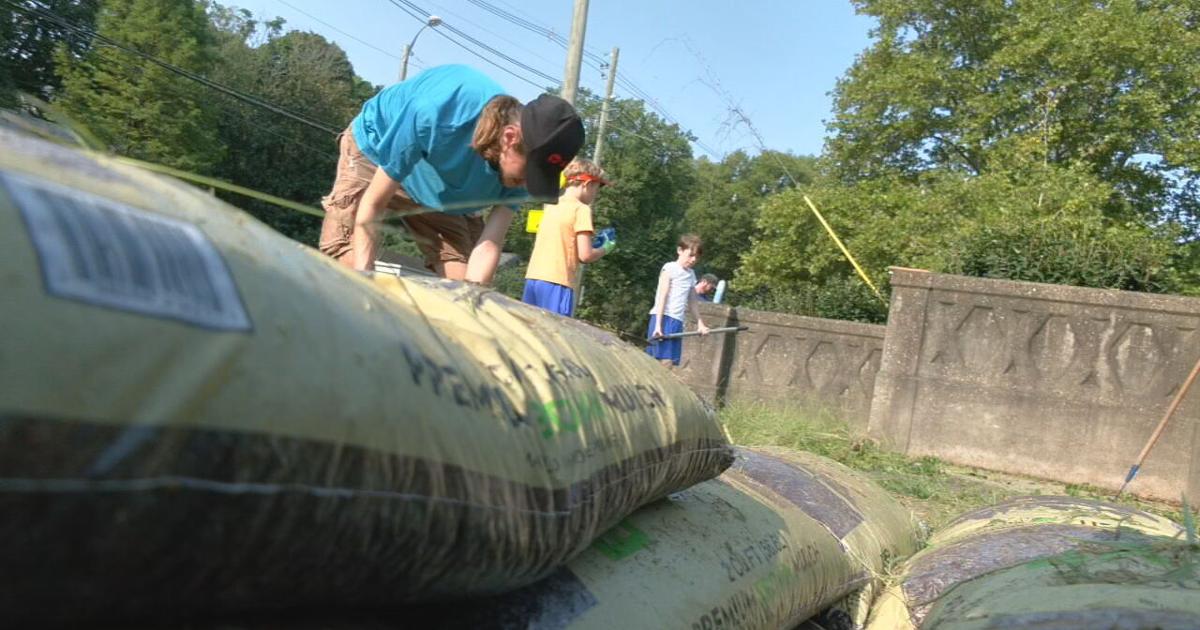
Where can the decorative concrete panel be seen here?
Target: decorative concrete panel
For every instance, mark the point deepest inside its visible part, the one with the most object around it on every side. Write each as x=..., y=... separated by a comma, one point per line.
x=786, y=358
x=1052, y=381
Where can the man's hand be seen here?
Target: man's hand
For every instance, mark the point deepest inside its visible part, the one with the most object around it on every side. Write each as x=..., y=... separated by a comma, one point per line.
x=481, y=266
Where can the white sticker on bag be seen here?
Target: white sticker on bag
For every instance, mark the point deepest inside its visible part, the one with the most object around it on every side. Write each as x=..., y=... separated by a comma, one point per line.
x=106, y=253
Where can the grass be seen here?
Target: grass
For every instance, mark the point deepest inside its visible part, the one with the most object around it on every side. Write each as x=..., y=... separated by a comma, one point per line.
x=935, y=490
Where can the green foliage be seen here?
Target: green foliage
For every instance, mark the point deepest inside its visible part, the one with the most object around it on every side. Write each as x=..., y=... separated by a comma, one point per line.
x=926, y=485
x=264, y=150
x=728, y=197
x=847, y=298
x=510, y=280
x=128, y=103
x=1129, y=257
x=28, y=41
x=977, y=86
x=1029, y=222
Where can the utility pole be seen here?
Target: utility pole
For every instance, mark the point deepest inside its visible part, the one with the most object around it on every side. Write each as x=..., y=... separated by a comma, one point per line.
x=570, y=85
x=612, y=77
x=404, y=62
x=575, y=51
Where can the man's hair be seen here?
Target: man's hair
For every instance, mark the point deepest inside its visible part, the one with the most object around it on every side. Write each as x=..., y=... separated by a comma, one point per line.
x=500, y=112
x=692, y=242
x=710, y=278
x=582, y=166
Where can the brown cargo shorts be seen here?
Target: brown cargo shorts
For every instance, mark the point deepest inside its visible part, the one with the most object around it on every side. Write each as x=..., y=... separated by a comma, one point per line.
x=441, y=237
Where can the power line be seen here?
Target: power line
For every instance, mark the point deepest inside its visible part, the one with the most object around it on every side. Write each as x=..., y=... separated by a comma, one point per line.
x=319, y=20
x=445, y=11
x=43, y=12
x=536, y=28
x=423, y=18
x=481, y=44
x=511, y=60
x=132, y=70
x=599, y=62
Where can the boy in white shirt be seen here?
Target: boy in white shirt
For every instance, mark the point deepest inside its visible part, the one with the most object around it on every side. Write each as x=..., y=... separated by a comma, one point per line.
x=673, y=297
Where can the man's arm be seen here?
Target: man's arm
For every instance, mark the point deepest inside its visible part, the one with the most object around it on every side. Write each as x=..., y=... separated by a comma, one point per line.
x=486, y=255
x=371, y=209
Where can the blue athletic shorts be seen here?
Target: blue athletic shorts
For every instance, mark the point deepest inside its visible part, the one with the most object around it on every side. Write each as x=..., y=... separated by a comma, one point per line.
x=665, y=348
x=553, y=297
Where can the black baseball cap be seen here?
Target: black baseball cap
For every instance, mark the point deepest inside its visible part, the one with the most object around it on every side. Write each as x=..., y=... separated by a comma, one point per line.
x=553, y=134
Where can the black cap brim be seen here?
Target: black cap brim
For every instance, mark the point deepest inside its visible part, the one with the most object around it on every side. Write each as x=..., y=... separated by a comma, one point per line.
x=541, y=177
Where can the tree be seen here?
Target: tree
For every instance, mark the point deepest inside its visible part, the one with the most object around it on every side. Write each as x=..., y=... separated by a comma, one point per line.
x=728, y=196
x=138, y=108
x=265, y=150
x=975, y=86
x=1043, y=224
x=30, y=35
x=1051, y=141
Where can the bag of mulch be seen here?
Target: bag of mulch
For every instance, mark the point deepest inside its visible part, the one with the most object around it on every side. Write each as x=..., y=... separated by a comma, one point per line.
x=777, y=538
x=1049, y=562
x=200, y=415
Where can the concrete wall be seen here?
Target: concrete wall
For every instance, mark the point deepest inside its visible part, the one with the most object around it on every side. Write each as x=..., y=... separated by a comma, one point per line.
x=785, y=358
x=1052, y=381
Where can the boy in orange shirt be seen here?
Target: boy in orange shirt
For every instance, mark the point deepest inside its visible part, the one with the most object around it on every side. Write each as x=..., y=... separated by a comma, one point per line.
x=564, y=240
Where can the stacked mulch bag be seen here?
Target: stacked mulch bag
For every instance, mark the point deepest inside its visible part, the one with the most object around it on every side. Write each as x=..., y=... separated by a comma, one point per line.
x=1049, y=563
x=198, y=415
x=771, y=542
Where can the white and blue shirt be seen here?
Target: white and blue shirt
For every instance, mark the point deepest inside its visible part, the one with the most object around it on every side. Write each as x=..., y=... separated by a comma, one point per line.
x=683, y=283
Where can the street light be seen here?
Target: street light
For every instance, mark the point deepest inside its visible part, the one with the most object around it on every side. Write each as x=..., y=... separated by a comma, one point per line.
x=432, y=21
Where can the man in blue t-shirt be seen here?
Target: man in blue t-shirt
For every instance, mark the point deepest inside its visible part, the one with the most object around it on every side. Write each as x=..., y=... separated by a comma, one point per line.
x=439, y=149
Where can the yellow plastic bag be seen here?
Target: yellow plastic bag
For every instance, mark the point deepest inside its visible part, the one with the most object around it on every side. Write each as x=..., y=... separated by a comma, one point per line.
x=1047, y=562
x=199, y=414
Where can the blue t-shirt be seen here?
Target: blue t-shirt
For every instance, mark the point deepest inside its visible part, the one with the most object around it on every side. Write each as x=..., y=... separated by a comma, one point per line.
x=419, y=132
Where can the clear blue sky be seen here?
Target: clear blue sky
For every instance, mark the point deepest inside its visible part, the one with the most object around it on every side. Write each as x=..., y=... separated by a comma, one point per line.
x=778, y=60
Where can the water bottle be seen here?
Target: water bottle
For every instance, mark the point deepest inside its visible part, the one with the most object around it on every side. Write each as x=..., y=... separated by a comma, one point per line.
x=604, y=236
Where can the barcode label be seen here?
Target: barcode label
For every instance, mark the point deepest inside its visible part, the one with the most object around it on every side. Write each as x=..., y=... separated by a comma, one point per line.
x=106, y=253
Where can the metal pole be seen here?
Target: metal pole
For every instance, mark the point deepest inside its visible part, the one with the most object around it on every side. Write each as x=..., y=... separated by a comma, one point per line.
x=575, y=51
x=432, y=20
x=696, y=333
x=612, y=76
x=404, y=59
x=570, y=86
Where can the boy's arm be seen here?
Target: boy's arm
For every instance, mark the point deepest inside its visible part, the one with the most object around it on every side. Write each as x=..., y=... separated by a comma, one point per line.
x=584, y=232
x=481, y=266
x=660, y=298
x=694, y=304
x=587, y=253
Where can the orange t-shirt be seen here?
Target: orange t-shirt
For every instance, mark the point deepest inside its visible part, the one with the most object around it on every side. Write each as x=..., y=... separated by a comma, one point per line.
x=555, y=257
